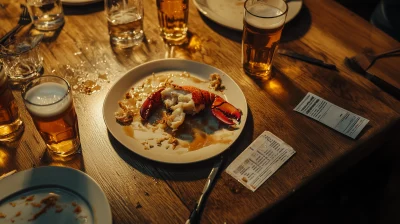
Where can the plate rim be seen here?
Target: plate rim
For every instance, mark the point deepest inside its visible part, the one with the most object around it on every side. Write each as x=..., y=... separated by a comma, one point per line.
x=243, y=119
x=44, y=179
x=204, y=13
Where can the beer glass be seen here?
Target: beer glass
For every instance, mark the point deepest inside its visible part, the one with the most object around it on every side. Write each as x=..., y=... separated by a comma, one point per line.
x=125, y=22
x=48, y=100
x=173, y=18
x=263, y=25
x=46, y=14
x=11, y=127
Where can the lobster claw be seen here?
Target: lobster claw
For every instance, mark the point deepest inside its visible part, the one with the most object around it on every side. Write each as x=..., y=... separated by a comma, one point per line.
x=150, y=104
x=225, y=112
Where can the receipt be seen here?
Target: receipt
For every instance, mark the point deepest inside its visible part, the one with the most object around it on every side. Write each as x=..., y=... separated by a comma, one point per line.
x=260, y=160
x=341, y=120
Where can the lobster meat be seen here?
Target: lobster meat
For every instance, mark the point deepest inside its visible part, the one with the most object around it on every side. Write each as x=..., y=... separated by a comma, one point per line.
x=189, y=100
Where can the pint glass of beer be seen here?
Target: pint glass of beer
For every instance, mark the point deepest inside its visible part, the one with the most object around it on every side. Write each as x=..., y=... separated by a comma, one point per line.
x=11, y=127
x=173, y=18
x=48, y=100
x=263, y=25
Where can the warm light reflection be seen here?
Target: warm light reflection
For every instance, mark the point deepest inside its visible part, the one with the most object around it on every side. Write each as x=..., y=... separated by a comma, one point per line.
x=73, y=161
x=3, y=158
x=6, y=157
x=187, y=50
x=194, y=43
x=275, y=87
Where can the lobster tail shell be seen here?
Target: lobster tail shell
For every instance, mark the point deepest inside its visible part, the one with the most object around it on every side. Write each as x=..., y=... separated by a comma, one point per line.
x=150, y=104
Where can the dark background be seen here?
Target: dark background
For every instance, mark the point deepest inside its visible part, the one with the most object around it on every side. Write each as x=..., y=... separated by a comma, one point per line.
x=368, y=193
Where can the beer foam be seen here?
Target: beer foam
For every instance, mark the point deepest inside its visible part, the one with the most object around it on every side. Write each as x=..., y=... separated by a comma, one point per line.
x=44, y=100
x=262, y=10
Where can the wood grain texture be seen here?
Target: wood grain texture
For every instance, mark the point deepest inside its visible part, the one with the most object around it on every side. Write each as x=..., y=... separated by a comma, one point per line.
x=81, y=51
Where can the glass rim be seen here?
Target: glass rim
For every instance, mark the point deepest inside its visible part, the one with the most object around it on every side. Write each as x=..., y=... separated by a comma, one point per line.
x=49, y=104
x=268, y=17
x=5, y=52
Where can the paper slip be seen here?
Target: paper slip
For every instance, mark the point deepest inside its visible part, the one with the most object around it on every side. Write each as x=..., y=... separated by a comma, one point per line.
x=331, y=115
x=260, y=160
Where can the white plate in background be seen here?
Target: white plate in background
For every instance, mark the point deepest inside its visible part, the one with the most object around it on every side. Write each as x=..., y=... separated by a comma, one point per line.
x=229, y=13
x=233, y=94
x=22, y=192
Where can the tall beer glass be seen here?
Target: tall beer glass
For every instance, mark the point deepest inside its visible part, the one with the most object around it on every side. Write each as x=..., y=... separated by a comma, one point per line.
x=173, y=18
x=48, y=100
x=11, y=127
x=263, y=25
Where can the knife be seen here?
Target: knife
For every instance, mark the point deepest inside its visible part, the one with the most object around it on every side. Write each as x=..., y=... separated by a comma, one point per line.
x=308, y=59
x=382, y=84
x=194, y=216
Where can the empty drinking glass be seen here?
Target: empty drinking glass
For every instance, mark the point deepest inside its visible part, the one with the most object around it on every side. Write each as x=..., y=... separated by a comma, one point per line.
x=46, y=14
x=21, y=59
x=125, y=22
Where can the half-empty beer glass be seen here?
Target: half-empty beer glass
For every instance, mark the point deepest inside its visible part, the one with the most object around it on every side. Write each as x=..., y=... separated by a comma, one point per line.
x=11, y=127
x=48, y=100
x=173, y=18
x=263, y=25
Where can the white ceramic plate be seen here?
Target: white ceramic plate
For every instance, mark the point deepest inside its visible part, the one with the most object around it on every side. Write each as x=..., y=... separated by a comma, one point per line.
x=229, y=13
x=232, y=94
x=80, y=199
x=79, y=2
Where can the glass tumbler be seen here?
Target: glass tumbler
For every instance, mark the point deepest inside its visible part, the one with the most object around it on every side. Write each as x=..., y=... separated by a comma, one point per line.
x=21, y=59
x=48, y=100
x=263, y=25
x=46, y=14
x=125, y=22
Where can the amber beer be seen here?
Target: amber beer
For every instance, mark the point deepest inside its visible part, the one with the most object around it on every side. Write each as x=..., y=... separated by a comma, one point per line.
x=49, y=101
x=11, y=127
x=173, y=18
x=263, y=25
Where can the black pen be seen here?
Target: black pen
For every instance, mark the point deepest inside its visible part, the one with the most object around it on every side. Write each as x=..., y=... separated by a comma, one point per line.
x=307, y=59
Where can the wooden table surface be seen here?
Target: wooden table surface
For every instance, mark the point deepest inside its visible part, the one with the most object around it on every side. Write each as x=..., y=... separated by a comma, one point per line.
x=81, y=53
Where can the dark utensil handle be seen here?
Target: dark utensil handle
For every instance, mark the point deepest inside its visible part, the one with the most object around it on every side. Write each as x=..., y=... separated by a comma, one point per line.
x=10, y=34
x=194, y=216
x=330, y=66
x=385, y=86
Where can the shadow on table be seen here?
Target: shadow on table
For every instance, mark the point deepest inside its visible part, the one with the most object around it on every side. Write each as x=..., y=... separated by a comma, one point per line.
x=231, y=34
x=183, y=172
x=282, y=89
x=83, y=9
x=297, y=27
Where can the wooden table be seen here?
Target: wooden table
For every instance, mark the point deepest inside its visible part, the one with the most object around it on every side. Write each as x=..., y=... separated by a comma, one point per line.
x=167, y=193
